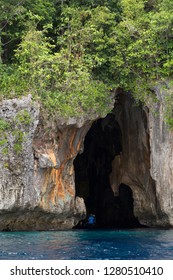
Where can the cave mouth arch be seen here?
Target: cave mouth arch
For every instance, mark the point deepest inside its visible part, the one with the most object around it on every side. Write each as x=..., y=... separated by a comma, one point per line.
x=92, y=170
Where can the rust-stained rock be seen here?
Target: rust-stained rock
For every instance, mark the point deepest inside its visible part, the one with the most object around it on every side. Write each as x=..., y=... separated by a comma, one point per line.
x=37, y=188
x=37, y=180
x=55, y=148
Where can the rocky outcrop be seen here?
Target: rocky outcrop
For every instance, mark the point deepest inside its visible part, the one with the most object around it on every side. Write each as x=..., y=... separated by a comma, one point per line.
x=55, y=145
x=132, y=166
x=145, y=164
x=37, y=177
x=120, y=154
x=37, y=189
x=161, y=156
x=20, y=118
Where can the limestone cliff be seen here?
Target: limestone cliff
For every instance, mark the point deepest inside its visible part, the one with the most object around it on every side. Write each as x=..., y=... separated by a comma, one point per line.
x=161, y=156
x=134, y=166
x=37, y=189
x=120, y=155
x=37, y=176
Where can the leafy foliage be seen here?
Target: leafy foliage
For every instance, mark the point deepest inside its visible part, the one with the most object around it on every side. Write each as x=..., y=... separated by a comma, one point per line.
x=72, y=54
x=4, y=125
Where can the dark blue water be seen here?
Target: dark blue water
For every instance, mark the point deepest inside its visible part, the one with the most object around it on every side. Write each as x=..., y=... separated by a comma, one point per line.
x=88, y=245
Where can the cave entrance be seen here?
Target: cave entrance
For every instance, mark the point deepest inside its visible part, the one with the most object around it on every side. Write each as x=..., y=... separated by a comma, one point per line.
x=92, y=169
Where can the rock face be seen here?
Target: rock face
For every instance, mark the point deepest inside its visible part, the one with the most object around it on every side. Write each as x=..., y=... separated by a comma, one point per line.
x=146, y=163
x=17, y=161
x=37, y=189
x=37, y=177
x=132, y=166
x=161, y=158
x=117, y=156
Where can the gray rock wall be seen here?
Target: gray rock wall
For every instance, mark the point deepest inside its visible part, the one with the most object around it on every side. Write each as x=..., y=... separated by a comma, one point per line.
x=37, y=189
x=132, y=166
x=21, y=117
x=37, y=180
x=146, y=163
x=161, y=156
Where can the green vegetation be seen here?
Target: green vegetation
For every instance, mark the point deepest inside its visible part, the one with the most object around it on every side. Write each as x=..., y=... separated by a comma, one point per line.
x=6, y=165
x=4, y=125
x=71, y=55
x=3, y=142
x=23, y=118
x=19, y=138
x=5, y=151
x=16, y=128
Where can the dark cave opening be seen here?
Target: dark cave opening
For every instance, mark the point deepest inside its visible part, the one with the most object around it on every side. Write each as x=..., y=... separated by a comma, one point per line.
x=126, y=207
x=92, y=169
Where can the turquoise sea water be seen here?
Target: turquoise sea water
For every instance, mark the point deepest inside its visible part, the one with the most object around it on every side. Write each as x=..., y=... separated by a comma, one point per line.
x=136, y=244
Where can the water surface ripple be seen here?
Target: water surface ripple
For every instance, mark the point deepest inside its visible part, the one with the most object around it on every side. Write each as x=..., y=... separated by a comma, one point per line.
x=139, y=244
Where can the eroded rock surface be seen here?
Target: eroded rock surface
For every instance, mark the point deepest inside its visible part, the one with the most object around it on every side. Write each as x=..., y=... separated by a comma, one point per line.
x=145, y=162
x=37, y=189
x=37, y=178
x=16, y=159
x=132, y=166
x=161, y=147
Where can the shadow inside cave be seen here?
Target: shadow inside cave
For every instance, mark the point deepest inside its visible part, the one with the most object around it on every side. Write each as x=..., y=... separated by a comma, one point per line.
x=92, y=170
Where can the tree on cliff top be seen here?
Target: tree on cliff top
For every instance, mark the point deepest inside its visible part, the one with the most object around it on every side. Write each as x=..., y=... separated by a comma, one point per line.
x=82, y=50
